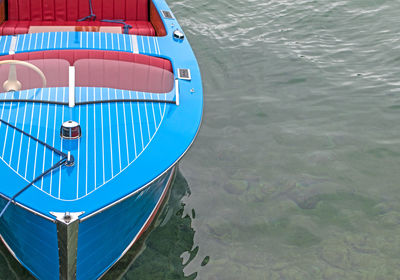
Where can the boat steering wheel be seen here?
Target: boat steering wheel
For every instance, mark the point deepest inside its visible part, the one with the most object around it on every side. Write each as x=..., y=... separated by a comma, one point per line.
x=12, y=84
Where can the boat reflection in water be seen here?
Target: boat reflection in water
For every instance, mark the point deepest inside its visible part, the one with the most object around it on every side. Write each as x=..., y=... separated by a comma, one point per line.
x=156, y=255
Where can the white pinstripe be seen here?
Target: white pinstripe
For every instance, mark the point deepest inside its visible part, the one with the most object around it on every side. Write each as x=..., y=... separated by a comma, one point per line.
x=41, y=44
x=55, y=39
x=105, y=39
x=60, y=168
x=140, y=121
x=5, y=138
x=79, y=146
x=102, y=137
x=54, y=138
x=23, y=125
x=36, y=37
x=147, y=117
x=126, y=132
x=87, y=138
x=94, y=133
x=37, y=136
x=133, y=126
x=23, y=42
x=119, y=142
x=148, y=42
x=154, y=115
x=12, y=142
x=119, y=46
x=109, y=120
x=144, y=51
x=45, y=138
x=30, y=132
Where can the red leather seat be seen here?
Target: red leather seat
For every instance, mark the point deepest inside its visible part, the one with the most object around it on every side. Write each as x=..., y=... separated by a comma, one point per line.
x=25, y=13
x=73, y=55
x=12, y=27
x=96, y=68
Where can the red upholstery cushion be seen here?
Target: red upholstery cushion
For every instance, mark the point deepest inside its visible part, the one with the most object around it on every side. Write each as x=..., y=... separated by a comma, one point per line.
x=12, y=27
x=73, y=55
x=96, y=69
x=72, y=10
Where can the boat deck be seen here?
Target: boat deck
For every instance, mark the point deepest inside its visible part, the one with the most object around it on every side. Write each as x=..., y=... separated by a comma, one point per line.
x=114, y=157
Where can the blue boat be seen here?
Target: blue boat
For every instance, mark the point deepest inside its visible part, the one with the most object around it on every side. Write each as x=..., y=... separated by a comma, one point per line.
x=99, y=100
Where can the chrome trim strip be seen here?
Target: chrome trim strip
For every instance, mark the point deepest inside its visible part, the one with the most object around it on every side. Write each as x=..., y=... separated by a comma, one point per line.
x=29, y=209
x=10, y=250
x=170, y=180
x=67, y=237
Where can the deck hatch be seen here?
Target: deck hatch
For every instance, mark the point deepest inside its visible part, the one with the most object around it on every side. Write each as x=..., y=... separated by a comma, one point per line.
x=184, y=74
x=167, y=14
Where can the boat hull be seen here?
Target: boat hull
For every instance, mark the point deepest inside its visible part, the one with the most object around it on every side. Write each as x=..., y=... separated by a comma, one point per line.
x=102, y=238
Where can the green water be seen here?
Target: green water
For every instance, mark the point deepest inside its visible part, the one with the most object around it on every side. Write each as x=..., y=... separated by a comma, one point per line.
x=295, y=173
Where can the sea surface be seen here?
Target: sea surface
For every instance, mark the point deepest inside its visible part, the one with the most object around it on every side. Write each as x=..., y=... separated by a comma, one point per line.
x=295, y=173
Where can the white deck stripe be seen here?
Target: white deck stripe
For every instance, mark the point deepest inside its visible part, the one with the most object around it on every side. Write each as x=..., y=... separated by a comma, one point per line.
x=5, y=138
x=95, y=139
x=119, y=142
x=102, y=137
x=41, y=43
x=36, y=37
x=12, y=142
x=144, y=50
x=105, y=39
x=38, y=133
x=45, y=139
x=13, y=44
x=140, y=121
x=55, y=40
x=126, y=132
x=87, y=139
x=126, y=47
x=54, y=138
x=79, y=146
x=154, y=114
x=60, y=168
x=109, y=121
x=147, y=116
x=23, y=126
x=23, y=42
x=148, y=42
x=71, y=95
x=158, y=52
x=133, y=126
x=135, y=47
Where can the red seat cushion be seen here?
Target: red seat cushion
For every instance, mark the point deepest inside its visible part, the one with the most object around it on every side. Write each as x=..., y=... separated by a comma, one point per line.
x=73, y=55
x=12, y=27
x=72, y=10
x=144, y=73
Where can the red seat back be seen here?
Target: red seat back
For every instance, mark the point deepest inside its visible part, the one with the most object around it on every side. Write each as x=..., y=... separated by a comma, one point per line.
x=72, y=10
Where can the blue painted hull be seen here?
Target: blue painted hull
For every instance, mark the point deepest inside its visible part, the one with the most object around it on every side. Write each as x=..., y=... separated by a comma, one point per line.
x=124, y=162
x=103, y=238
